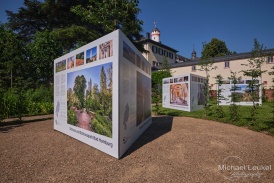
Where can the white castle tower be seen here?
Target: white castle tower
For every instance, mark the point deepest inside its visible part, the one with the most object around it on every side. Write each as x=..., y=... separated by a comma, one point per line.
x=155, y=34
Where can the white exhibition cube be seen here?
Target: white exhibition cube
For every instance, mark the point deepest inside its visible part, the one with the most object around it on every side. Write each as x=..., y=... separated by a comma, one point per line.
x=102, y=94
x=184, y=92
x=242, y=91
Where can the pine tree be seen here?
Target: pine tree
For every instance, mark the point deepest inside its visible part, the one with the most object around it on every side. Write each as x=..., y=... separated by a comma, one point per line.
x=103, y=81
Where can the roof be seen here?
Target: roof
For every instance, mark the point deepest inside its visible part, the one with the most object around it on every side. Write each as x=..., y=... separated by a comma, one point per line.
x=156, y=29
x=222, y=58
x=182, y=58
x=145, y=40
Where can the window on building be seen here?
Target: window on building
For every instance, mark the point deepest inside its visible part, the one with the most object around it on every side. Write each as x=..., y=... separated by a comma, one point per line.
x=166, y=53
x=154, y=49
x=155, y=63
x=170, y=55
x=160, y=51
x=226, y=63
x=194, y=68
x=270, y=59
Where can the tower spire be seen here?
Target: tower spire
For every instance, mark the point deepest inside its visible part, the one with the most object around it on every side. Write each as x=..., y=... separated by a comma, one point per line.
x=193, y=54
x=155, y=34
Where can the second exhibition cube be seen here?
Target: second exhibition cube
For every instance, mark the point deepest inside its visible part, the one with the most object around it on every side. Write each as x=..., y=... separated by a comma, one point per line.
x=184, y=92
x=102, y=94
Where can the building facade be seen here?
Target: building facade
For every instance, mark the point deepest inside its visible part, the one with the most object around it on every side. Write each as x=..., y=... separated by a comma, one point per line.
x=224, y=65
x=157, y=51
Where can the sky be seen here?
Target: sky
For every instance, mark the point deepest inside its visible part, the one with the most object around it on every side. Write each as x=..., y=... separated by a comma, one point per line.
x=186, y=24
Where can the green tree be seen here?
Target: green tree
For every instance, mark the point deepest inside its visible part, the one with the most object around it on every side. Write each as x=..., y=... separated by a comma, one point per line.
x=79, y=89
x=254, y=72
x=215, y=48
x=14, y=66
x=109, y=73
x=95, y=97
x=14, y=74
x=219, y=113
x=43, y=50
x=51, y=15
x=156, y=83
x=103, y=80
x=109, y=91
x=233, y=108
x=109, y=15
x=272, y=73
x=104, y=94
x=206, y=65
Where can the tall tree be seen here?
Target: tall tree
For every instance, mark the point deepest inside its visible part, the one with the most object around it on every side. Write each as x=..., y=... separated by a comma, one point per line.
x=103, y=90
x=53, y=16
x=103, y=80
x=272, y=73
x=206, y=65
x=79, y=89
x=109, y=15
x=219, y=113
x=156, y=83
x=215, y=48
x=39, y=16
x=43, y=50
x=254, y=72
x=233, y=108
x=13, y=63
x=88, y=20
x=109, y=72
x=95, y=92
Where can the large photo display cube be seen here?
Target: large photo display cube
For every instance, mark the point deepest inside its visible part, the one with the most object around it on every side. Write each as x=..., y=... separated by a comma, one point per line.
x=184, y=92
x=102, y=94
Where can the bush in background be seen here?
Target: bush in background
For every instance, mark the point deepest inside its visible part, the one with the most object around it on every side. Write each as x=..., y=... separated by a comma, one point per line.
x=15, y=102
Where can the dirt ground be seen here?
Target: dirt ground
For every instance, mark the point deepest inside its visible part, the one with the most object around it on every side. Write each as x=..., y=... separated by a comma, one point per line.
x=172, y=149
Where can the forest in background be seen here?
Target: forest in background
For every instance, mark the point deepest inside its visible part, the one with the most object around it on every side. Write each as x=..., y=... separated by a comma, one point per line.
x=40, y=32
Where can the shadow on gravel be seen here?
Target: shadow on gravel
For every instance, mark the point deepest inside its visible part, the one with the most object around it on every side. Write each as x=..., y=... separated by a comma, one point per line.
x=9, y=125
x=160, y=126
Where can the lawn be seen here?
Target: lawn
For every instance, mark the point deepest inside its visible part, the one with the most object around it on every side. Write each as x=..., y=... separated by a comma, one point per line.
x=264, y=116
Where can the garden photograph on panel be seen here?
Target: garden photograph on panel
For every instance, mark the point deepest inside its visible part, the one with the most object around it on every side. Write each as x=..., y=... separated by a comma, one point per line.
x=61, y=66
x=80, y=59
x=89, y=96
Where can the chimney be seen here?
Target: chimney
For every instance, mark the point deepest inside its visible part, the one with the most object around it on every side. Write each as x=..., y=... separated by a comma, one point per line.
x=148, y=35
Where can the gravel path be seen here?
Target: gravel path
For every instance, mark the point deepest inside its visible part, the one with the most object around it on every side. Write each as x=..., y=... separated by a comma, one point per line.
x=173, y=149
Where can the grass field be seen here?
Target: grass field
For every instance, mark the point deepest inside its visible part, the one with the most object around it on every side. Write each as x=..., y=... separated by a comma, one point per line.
x=264, y=122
